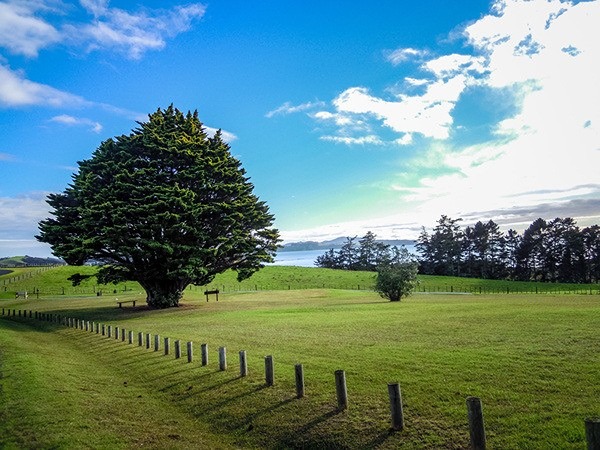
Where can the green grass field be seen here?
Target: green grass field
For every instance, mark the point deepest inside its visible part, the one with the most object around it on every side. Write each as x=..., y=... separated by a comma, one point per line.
x=532, y=359
x=53, y=281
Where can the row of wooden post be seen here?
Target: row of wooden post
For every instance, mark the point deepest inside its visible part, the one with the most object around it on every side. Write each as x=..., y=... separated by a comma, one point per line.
x=474, y=407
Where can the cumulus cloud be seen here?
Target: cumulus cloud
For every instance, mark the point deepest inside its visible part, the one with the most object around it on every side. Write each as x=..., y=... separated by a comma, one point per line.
x=542, y=158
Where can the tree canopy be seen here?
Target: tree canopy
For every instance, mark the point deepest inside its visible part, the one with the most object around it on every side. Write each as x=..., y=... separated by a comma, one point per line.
x=166, y=205
x=554, y=250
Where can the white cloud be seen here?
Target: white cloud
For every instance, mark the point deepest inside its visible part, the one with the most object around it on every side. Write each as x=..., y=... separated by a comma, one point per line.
x=65, y=119
x=7, y=157
x=226, y=135
x=401, y=55
x=289, y=108
x=16, y=90
x=131, y=33
x=541, y=159
x=21, y=32
x=362, y=140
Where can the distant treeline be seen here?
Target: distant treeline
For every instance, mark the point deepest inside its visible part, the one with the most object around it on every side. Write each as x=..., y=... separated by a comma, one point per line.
x=366, y=253
x=29, y=261
x=555, y=251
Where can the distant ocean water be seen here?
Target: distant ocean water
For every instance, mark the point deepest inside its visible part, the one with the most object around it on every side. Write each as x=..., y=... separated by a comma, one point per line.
x=306, y=258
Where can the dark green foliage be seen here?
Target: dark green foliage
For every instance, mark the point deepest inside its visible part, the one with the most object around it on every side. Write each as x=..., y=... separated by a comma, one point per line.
x=397, y=279
x=165, y=206
x=555, y=251
x=366, y=254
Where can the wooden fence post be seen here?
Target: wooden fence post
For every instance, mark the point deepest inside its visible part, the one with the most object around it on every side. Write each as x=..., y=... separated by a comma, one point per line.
x=110, y=331
x=341, y=390
x=592, y=433
x=476, y=426
x=177, y=349
x=269, y=371
x=123, y=334
x=97, y=328
x=299, y=373
x=204, y=354
x=167, y=345
x=103, y=328
x=190, y=351
x=147, y=340
x=140, y=339
x=222, y=358
x=396, y=406
x=243, y=364
x=156, y=342
x=130, y=336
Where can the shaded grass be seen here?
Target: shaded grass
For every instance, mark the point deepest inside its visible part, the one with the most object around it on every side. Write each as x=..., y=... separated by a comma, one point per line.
x=532, y=360
x=57, y=394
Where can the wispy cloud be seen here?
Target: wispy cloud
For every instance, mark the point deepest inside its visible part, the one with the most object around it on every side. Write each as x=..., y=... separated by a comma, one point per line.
x=22, y=32
x=7, y=157
x=362, y=140
x=68, y=120
x=402, y=55
x=289, y=108
x=16, y=90
x=131, y=33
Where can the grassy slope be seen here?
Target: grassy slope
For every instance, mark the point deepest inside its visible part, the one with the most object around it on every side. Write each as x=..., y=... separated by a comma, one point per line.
x=53, y=281
x=532, y=360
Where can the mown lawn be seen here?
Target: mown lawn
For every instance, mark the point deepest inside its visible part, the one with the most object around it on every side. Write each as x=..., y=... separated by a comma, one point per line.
x=532, y=360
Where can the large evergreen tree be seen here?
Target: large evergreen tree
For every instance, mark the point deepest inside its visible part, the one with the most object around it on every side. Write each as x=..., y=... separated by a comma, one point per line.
x=166, y=206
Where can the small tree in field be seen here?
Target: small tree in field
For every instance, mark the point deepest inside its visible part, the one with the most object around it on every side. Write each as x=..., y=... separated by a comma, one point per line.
x=398, y=279
x=166, y=206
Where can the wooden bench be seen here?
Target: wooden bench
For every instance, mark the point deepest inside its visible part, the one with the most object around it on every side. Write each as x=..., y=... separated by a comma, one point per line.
x=213, y=292
x=120, y=302
x=21, y=294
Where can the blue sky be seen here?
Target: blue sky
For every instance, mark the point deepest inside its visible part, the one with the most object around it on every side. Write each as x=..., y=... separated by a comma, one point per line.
x=346, y=117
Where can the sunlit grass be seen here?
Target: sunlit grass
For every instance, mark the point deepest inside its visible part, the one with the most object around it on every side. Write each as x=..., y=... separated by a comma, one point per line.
x=532, y=360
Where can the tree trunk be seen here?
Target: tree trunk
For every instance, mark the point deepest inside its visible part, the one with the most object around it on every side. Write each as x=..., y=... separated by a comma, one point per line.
x=163, y=293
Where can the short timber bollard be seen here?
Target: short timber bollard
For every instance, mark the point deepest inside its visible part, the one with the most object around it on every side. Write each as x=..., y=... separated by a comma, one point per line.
x=140, y=339
x=243, y=364
x=190, y=351
x=476, y=427
x=156, y=342
x=97, y=328
x=204, y=354
x=109, y=331
x=167, y=345
x=87, y=325
x=341, y=390
x=123, y=334
x=592, y=433
x=103, y=329
x=117, y=333
x=269, y=370
x=222, y=358
x=299, y=372
x=396, y=406
x=130, y=337
x=177, y=349
x=147, y=340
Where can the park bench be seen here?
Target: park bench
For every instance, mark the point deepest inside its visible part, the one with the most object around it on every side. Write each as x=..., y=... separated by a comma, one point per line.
x=120, y=302
x=214, y=292
x=21, y=294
